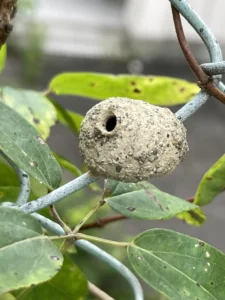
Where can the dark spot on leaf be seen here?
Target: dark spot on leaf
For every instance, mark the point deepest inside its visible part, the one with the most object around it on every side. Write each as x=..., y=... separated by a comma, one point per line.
x=182, y=90
x=53, y=257
x=36, y=121
x=151, y=79
x=212, y=283
x=25, y=175
x=30, y=110
x=153, y=198
x=28, y=191
x=198, y=285
x=133, y=83
x=209, y=178
x=16, y=273
x=118, y=169
x=167, y=145
x=165, y=267
x=92, y=84
x=131, y=209
x=137, y=91
x=168, y=135
x=167, y=208
x=201, y=30
x=202, y=244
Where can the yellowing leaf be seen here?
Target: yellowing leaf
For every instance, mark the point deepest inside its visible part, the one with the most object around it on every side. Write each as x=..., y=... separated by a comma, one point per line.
x=212, y=183
x=156, y=90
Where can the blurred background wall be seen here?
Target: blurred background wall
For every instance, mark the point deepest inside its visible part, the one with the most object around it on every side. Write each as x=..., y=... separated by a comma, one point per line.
x=123, y=36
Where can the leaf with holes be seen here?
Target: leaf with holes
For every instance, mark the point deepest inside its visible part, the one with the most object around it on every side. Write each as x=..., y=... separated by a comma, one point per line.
x=153, y=89
x=67, y=117
x=212, y=183
x=33, y=106
x=69, y=283
x=179, y=266
x=21, y=142
x=26, y=256
x=142, y=200
x=194, y=217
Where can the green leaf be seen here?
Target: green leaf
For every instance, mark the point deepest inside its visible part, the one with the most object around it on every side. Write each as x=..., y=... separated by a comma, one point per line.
x=153, y=89
x=179, y=266
x=142, y=200
x=67, y=117
x=33, y=106
x=7, y=297
x=21, y=142
x=194, y=217
x=69, y=283
x=3, y=55
x=9, y=193
x=212, y=183
x=26, y=256
x=8, y=176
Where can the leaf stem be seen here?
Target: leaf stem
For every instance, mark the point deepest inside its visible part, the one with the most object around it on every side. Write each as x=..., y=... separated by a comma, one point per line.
x=88, y=216
x=59, y=220
x=78, y=236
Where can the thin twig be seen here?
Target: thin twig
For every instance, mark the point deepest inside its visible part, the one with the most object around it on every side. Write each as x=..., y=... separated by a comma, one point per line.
x=102, y=222
x=56, y=216
x=88, y=216
x=205, y=82
x=95, y=291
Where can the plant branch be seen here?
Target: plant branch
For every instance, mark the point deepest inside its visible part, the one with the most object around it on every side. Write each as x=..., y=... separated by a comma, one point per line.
x=59, y=194
x=205, y=82
x=98, y=253
x=88, y=216
x=97, y=292
x=102, y=222
x=59, y=220
x=24, y=181
x=78, y=236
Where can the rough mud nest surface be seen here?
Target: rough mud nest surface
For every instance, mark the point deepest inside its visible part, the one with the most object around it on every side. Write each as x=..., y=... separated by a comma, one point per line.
x=131, y=140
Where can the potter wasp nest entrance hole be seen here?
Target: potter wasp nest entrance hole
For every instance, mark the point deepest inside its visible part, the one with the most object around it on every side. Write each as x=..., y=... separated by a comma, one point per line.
x=110, y=123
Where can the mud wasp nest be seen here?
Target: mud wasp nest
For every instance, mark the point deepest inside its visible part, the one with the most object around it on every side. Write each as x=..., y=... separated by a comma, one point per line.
x=8, y=10
x=131, y=140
